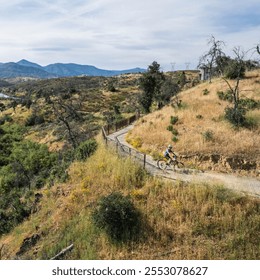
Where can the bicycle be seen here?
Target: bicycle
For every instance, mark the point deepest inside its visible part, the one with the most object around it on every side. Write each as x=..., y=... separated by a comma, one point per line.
x=163, y=164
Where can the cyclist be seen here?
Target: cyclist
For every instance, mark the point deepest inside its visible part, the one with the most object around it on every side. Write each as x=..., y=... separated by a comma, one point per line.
x=169, y=154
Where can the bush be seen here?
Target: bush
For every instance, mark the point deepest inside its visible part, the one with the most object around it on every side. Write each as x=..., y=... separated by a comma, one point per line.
x=86, y=149
x=226, y=96
x=236, y=116
x=205, y=91
x=170, y=128
x=118, y=217
x=174, y=120
x=34, y=120
x=175, y=139
x=235, y=69
x=249, y=103
x=5, y=118
x=175, y=132
x=136, y=142
x=111, y=87
x=208, y=135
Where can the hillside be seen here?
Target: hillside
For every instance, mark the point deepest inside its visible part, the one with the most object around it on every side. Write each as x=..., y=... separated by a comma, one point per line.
x=179, y=221
x=201, y=135
x=52, y=192
x=88, y=103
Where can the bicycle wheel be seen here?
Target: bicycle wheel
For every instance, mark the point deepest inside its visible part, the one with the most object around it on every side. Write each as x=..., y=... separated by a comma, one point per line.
x=161, y=164
x=180, y=164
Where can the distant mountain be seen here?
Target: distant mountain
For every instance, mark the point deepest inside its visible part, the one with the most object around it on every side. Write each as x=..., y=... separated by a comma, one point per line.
x=13, y=70
x=27, y=63
x=72, y=69
x=25, y=68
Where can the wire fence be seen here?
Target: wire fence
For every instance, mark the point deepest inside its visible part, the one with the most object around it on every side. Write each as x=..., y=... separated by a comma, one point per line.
x=124, y=150
x=111, y=128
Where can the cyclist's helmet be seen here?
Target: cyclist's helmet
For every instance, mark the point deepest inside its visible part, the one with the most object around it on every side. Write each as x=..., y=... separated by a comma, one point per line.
x=169, y=147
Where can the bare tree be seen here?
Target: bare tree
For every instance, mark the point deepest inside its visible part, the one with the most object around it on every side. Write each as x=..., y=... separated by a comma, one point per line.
x=236, y=114
x=209, y=59
x=66, y=111
x=239, y=56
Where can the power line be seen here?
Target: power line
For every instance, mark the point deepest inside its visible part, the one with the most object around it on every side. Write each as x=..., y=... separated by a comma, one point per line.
x=173, y=65
x=187, y=65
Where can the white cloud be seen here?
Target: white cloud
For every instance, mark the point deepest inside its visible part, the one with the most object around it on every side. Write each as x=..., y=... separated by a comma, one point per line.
x=121, y=34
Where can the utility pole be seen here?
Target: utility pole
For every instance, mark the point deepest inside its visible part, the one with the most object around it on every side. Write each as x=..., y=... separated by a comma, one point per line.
x=173, y=66
x=187, y=65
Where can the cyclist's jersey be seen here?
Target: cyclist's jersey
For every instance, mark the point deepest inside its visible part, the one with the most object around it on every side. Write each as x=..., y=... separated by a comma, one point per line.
x=167, y=153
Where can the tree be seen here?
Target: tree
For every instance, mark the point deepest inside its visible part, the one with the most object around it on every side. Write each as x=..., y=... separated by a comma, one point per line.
x=168, y=90
x=236, y=114
x=151, y=83
x=209, y=59
x=67, y=111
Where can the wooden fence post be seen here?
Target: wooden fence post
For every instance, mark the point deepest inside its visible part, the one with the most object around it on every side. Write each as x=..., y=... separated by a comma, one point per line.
x=144, y=160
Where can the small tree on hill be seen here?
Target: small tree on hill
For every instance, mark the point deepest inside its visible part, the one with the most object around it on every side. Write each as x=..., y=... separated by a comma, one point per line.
x=169, y=89
x=150, y=84
x=235, y=71
x=210, y=58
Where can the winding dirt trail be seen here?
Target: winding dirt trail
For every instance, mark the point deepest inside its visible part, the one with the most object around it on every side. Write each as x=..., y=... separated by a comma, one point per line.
x=246, y=185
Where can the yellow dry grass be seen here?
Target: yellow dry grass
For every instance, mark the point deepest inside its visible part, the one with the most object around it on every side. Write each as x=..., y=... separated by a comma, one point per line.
x=152, y=131
x=179, y=221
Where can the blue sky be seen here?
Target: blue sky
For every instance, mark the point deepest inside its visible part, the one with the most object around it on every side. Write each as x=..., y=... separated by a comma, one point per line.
x=117, y=34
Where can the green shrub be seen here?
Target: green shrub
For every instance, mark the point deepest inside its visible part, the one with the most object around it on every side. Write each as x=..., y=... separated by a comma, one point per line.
x=170, y=128
x=65, y=95
x=111, y=87
x=220, y=95
x=12, y=211
x=235, y=69
x=34, y=120
x=236, y=116
x=205, y=91
x=86, y=149
x=31, y=162
x=174, y=120
x=226, y=96
x=175, y=132
x=118, y=217
x=5, y=118
x=249, y=103
x=208, y=135
x=175, y=139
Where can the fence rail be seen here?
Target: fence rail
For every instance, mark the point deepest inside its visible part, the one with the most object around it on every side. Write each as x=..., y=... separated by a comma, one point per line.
x=122, y=149
x=114, y=127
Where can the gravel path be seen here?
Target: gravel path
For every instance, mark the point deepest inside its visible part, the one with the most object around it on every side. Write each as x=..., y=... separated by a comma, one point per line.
x=242, y=184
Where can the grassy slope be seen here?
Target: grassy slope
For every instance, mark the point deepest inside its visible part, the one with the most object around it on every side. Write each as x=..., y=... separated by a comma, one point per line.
x=95, y=100
x=179, y=221
x=152, y=135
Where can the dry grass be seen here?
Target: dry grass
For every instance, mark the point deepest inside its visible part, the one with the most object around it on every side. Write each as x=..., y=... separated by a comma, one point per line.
x=179, y=221
x=153, y=134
